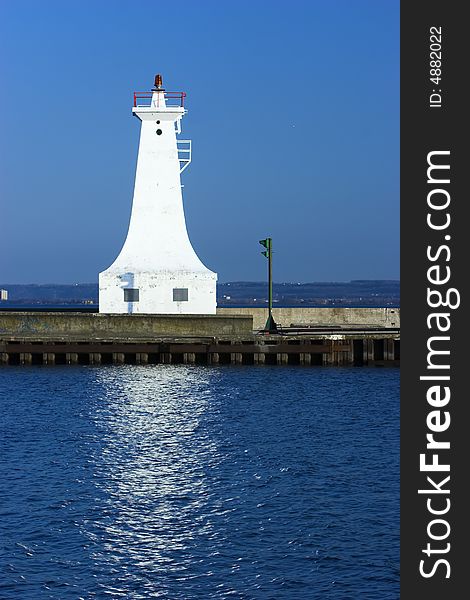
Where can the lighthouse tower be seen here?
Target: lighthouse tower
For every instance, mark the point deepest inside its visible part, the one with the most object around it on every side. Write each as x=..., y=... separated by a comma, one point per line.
x=157, y=270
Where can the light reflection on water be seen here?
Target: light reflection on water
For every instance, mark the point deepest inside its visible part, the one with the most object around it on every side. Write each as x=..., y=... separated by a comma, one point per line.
x=152, y=467
x=186, y=482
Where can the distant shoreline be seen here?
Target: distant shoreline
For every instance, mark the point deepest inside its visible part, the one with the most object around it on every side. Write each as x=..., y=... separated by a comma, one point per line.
x=241, y=294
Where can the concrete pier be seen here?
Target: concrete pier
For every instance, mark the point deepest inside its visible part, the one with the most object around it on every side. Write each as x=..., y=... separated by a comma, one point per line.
x=84, y=339
x=69, y=326
x=324, y=317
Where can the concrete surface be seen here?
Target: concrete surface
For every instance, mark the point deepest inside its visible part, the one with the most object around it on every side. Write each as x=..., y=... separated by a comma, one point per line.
x=95, y=326
x=373, y=317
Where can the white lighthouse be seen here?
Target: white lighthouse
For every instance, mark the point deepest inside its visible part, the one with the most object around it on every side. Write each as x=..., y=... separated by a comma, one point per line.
x=157, y=270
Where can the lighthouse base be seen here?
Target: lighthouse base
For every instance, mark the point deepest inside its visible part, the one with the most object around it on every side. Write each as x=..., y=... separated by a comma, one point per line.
x=172, y=293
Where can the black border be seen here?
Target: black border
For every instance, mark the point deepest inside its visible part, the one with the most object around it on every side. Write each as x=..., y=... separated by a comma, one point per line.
x=424, y=129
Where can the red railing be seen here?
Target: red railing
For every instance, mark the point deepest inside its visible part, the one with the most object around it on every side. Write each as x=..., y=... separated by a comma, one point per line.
x=179, y=96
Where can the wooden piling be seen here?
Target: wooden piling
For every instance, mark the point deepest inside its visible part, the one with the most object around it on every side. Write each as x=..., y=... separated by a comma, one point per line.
x=259, y=358
x=236, y=358
x=368, y=351
x=118, y=358
x=189, y=358
x=141, y=358
x=71, y=358
x=166, y=358
x=26, y=358
x=94, y=358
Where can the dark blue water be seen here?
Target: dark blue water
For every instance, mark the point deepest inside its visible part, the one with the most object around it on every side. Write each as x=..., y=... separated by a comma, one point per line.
x=188, y=483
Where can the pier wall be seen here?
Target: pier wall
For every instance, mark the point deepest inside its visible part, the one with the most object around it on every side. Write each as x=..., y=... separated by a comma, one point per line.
x=29, y=338
x=69, y=326
x=328, y=317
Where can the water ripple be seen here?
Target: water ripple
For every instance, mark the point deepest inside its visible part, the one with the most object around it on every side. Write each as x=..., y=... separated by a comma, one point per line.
x=184, y=482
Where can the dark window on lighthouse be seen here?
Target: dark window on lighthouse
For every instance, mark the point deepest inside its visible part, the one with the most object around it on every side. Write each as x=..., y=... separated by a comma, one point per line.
x=180, y=294
x=131, y=295
x=159, y=132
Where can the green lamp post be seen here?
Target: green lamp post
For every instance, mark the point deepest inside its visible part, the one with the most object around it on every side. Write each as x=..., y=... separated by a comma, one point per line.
x=270, y=326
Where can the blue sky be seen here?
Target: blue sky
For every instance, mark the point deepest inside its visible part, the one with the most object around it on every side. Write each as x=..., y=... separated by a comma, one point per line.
x=293, y=113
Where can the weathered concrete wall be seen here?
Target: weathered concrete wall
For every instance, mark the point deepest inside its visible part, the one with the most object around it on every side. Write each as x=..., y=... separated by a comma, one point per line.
x=227, y=322
x=29, y=325
x=375, y=317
